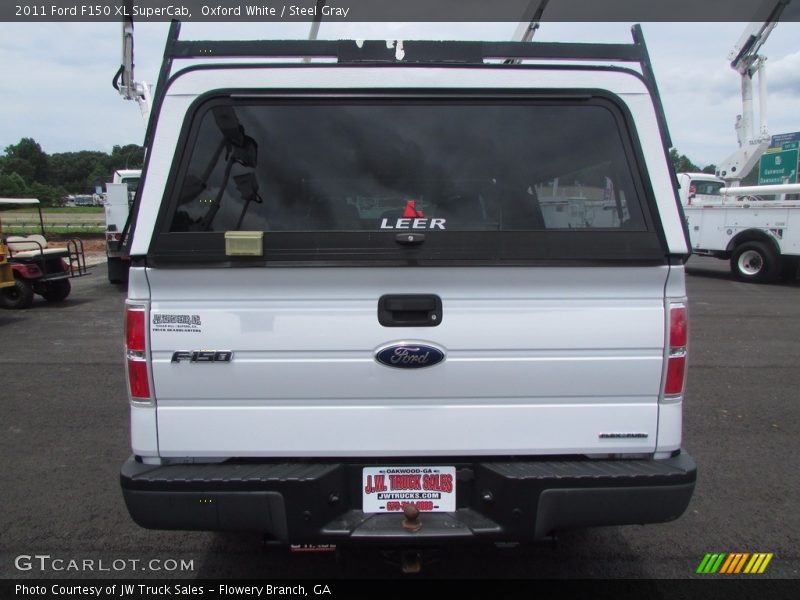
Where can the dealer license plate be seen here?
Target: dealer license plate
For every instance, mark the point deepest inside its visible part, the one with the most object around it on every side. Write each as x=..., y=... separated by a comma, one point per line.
x=389, y=489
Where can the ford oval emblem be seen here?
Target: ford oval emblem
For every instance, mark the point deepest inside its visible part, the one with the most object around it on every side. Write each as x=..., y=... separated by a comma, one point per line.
x=409, y=355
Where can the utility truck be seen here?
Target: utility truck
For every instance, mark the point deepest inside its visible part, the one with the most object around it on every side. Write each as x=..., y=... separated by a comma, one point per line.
x=756, y=228
x=120, y=194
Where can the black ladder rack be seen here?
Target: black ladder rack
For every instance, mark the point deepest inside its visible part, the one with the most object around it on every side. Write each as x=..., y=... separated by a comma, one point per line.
x=376, y=52
x=415, y=51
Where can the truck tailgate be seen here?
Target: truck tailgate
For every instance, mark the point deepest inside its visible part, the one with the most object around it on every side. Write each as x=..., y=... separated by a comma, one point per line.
x=539, y=360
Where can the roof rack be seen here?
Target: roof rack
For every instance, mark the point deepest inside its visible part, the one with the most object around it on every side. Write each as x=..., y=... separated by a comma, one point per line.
x=420, y=51
x=348, y=52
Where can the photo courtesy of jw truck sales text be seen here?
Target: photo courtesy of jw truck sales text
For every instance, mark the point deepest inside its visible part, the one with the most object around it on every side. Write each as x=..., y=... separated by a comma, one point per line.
x=159, y=590
x=359, y=284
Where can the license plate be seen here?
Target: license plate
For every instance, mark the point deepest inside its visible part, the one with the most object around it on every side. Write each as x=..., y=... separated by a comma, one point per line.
x=389, y=489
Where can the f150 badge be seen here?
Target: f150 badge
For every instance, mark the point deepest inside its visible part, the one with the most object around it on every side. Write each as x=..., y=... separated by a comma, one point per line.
x=409, y=355
x=202, y=356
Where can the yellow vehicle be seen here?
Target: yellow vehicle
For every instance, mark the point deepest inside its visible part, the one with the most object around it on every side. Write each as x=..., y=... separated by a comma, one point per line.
x=6, y=274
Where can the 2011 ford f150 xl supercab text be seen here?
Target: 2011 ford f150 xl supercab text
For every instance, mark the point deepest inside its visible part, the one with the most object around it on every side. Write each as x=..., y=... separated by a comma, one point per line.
x=408, y=275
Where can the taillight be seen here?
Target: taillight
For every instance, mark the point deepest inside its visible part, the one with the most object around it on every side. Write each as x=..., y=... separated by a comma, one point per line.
x=678, y=343
x=136, y=352
x=134, y=329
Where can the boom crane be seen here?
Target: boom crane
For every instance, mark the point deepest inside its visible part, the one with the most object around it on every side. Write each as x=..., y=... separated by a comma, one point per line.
x=746, y=60
x=528, y=25
x=124, y=81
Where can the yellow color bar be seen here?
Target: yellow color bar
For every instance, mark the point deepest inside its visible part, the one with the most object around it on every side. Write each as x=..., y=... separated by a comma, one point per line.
x=759, y=562
x=765, y=563
x=754, y=562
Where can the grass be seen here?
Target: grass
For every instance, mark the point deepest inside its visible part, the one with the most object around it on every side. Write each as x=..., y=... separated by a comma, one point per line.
x=89, y=219
x=50, y=209
x=59, y=230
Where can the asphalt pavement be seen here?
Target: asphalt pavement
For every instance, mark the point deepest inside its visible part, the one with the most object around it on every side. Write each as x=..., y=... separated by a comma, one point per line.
x=65, y=432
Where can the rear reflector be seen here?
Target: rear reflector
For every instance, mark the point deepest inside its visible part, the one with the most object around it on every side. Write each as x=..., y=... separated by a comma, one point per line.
x=137, y=379
x=676, y=371
x=678, y=343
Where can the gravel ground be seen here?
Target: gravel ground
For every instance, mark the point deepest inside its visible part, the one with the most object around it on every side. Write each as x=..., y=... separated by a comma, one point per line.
x=94, y=249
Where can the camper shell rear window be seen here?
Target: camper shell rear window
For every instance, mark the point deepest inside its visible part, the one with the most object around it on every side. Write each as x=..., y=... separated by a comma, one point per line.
x=340, y=179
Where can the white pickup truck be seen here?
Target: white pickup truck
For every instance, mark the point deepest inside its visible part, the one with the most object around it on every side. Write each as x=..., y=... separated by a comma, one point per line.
x=350, y=318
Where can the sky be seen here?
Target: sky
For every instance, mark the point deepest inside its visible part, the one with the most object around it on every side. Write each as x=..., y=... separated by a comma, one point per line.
x=56, y=77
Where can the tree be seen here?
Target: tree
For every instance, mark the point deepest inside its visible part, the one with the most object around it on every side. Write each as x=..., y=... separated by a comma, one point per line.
x=130, y=156
x=25, y=164
x=47, y=194
x=75, y=171
x=710, y=169
x=681, y=162
x=27, y=159
x=12, y=185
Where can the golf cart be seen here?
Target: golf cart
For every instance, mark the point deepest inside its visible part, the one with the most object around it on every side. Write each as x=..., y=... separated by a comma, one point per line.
x=6, y=274
x=38, y=269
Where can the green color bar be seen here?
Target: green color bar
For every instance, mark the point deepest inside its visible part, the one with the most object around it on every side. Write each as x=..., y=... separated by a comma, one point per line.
x=718, y=563
x=701, y=568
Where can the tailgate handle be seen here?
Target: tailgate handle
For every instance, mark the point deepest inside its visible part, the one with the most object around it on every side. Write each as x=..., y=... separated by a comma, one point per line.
x=410, y=310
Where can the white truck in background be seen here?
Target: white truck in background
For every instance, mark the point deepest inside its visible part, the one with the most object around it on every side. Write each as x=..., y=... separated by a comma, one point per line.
x=757, y=228
x=699, y=187
x=119, y=199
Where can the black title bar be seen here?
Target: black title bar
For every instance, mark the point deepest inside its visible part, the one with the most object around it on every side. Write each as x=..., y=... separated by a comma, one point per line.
x=397, y=10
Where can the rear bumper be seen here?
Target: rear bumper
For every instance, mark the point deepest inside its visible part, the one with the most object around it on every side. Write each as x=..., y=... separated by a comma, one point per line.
x=306, y=502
